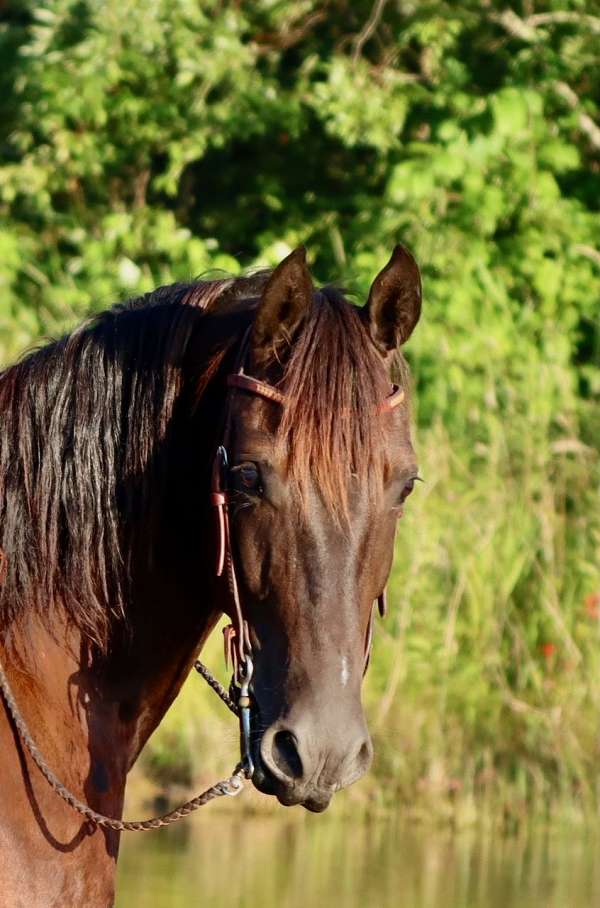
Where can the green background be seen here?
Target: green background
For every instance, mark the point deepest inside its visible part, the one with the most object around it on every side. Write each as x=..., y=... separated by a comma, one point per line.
x=148, y=141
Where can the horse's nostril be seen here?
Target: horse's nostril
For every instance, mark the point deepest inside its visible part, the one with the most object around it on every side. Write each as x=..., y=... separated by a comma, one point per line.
x=365, y=753
x=286, y=756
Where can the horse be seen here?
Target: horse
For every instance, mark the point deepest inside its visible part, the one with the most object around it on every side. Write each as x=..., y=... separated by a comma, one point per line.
x=109, y=541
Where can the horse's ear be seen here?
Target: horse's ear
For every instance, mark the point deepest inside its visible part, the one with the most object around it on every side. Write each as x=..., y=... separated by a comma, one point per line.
x=394, y=303
x=285, y=301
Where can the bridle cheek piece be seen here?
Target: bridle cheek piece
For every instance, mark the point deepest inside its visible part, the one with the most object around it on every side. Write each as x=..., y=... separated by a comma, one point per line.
x=237, y=645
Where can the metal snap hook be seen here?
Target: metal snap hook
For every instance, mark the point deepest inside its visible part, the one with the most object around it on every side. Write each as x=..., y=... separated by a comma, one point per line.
x=246, y=671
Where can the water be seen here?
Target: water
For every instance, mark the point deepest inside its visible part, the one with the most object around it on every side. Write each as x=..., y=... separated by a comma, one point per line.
x=242, y=861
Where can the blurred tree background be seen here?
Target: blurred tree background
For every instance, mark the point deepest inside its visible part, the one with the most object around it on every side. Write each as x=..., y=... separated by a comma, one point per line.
x=146, y=141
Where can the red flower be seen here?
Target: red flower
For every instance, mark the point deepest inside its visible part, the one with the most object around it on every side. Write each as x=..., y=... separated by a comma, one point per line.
x=592, y=605
x=548, y=650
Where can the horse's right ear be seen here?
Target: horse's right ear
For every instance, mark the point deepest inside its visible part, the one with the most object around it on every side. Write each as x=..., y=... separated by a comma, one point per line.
x=394, y=303
x=286, y=299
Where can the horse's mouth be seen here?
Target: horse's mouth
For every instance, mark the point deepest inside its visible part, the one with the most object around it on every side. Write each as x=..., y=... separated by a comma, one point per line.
x=317, y=804
x=288, y=795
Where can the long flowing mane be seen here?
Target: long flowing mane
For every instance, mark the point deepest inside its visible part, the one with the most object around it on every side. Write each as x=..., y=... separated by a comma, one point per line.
x=79, y=417
x=84, y=417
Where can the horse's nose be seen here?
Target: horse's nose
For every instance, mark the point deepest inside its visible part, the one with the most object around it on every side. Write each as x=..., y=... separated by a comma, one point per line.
x=284, y=759
x=308, y=766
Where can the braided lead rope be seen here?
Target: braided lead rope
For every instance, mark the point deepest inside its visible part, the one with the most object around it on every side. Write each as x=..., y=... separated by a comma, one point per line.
x=218, y=688
x=230, y=786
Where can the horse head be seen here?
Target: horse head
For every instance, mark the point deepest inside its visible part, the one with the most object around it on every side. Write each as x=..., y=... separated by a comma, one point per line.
x=319, y=464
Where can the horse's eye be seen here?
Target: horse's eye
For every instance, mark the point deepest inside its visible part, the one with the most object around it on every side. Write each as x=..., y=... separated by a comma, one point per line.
x=408, y=487
x=406, y=490
x=246, y=478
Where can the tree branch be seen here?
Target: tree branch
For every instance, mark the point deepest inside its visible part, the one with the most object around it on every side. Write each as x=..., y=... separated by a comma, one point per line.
x=586, y=124
x=369, y=28
x=290, y=36
x=526, y=29
x=515, y=26
x=588, y=251
x=564, y=18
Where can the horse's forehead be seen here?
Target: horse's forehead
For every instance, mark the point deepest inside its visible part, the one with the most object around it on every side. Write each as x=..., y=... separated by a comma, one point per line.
x=255, y=413
x=255, y=422
x=254, y=441
x=398, y=432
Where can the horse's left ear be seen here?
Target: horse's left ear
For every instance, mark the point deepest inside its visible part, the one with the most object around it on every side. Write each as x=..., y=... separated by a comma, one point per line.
x=286, y=299
x=394, y=303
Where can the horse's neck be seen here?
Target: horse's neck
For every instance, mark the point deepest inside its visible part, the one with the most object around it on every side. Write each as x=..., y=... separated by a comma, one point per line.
x=145, y=673
x=52, y=692
x=89, y=718
x=91, y=714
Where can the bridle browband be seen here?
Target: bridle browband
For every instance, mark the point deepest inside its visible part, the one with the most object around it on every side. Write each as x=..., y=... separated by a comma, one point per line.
x=260, y=388
x=237, y=644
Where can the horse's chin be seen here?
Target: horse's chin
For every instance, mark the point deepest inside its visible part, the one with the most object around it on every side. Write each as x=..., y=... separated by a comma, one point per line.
x=317, y=804
x=315, y=801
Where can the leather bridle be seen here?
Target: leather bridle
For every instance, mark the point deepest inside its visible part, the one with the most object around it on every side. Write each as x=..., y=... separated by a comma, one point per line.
x=237, y=644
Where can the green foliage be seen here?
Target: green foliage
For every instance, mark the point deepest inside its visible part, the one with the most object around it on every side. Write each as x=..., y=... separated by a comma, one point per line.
x=142, y=143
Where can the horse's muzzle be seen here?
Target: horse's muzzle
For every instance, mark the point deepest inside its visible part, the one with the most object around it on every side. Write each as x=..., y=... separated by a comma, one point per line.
x=300, y=768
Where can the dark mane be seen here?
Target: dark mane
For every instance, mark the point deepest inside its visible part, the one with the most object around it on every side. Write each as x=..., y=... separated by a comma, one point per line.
x=83, y=417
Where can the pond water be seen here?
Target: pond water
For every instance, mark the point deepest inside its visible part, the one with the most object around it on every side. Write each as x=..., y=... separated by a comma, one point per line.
x=241, y=861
